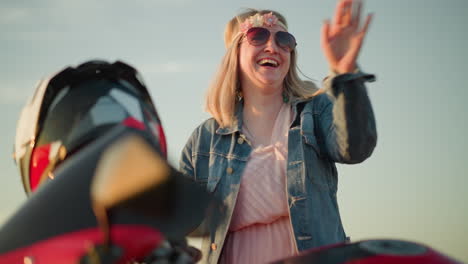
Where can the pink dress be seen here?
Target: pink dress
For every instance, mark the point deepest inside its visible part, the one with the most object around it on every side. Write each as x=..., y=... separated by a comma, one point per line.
x=260, y=229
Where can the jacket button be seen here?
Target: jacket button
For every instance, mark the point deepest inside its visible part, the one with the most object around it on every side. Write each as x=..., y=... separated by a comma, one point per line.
x=229, y=170
x=213, y=246
x=240, y=140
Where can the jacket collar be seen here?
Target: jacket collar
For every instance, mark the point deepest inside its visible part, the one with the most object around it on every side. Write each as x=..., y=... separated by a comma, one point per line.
x=296, y=101
x=236, y=124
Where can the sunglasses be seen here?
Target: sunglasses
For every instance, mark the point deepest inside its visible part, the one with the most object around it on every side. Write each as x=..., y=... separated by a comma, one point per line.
x=258, y=36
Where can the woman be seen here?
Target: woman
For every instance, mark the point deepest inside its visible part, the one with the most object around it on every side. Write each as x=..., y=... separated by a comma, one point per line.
x=269, y=151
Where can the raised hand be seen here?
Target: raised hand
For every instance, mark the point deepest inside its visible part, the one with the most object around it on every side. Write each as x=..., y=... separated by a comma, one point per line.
x=342, y=38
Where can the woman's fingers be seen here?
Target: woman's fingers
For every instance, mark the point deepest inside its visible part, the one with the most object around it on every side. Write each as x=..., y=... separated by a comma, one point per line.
x=355, y=48
x=325, y=42
x=348, y=13
x=356, y=18
x=340, y=12
x=359, y=39
x=366, y=24
x=325, y=34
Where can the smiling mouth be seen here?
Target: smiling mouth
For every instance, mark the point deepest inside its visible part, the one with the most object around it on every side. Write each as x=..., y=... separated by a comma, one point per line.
x=268, y=62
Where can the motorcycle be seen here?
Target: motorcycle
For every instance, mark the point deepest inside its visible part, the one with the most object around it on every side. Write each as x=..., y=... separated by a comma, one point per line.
x=115, y=201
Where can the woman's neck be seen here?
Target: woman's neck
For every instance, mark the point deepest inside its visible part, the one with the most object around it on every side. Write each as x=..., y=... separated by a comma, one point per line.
x=262, y=101
x=260, y=113
x=263, y=107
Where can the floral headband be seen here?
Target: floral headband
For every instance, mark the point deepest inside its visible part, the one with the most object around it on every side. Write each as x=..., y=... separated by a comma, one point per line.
x=257, y=20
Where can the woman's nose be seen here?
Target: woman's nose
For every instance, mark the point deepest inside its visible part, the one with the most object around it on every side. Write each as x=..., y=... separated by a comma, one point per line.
x=271, y=45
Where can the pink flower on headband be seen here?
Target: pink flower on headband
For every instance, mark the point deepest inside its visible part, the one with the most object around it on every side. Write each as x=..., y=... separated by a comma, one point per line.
x=270, y=19
x=245, y=26
x=258, y=20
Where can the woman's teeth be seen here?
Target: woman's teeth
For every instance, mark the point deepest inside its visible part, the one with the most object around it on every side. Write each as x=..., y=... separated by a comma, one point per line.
x=268, y=62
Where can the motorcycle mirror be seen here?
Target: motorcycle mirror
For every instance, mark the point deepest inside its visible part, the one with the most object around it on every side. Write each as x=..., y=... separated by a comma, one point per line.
x=128, y=169
x=131, y=174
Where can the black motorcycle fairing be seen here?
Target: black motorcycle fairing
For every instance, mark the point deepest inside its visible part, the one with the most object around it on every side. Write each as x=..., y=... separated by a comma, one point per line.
x=63, y=205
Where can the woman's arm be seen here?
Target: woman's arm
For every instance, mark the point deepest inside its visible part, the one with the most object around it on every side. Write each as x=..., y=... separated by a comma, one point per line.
x=346, y=122
x=186, y=166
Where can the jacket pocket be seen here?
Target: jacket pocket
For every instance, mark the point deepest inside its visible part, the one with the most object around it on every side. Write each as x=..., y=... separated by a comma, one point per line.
x=217, y=167
x=308, y=132
x=202, y=169
x=311, y=141
x=318, y=169
x=212, y=183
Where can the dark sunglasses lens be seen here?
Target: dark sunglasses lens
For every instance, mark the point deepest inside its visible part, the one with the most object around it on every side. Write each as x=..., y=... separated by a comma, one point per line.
x=258, y=36
x=285, y=40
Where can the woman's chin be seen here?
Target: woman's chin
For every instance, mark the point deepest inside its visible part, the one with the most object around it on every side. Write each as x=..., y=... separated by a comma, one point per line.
x=272, y=82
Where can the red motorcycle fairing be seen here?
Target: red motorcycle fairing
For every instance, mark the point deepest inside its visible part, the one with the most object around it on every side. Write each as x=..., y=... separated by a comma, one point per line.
x=383, y=251
x=135, y=240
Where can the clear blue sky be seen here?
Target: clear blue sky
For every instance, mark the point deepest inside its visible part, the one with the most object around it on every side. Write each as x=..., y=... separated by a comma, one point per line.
x=413, y=187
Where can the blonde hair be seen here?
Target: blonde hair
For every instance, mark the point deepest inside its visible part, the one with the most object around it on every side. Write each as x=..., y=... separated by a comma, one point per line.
x=221, y=99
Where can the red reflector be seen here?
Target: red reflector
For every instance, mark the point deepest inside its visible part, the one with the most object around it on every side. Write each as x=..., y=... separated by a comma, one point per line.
x=39, y=162
x=132, y=122
x=162, y=140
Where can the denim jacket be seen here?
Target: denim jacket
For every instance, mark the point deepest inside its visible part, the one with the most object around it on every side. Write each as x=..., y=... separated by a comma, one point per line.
x=336, y=126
